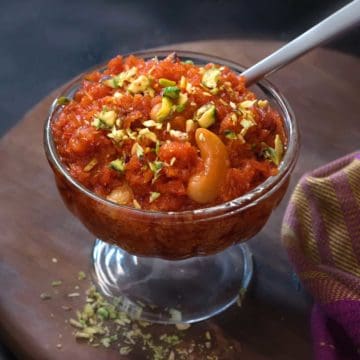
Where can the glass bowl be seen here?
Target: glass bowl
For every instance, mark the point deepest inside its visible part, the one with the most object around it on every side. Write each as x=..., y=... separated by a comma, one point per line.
x=181, y=266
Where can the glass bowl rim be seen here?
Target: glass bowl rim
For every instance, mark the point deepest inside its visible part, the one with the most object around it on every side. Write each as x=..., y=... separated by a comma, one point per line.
x=251, y=198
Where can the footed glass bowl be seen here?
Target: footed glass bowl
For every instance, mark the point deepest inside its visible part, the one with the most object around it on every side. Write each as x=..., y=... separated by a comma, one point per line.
x=173, y=267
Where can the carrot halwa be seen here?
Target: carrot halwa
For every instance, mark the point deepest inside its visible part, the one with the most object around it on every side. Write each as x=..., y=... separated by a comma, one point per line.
x=168, y=135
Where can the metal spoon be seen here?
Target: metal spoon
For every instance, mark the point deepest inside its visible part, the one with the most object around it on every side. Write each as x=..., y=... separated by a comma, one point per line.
x=336, y=23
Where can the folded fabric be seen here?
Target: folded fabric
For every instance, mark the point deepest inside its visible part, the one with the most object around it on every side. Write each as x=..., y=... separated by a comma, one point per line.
x=321, y=232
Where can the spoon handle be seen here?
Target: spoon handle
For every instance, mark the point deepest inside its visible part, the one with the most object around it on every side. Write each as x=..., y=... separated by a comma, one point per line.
x=336, y=23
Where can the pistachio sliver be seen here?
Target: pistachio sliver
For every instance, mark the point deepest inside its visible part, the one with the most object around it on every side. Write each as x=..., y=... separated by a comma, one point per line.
x=279, y=150
x=62, y=100
x=161, y=111
x=105, y=119
x=166, y=82
x=182, y=102
x=139, y=85
x=210, y=78
x=205, y=115
x=118, y=165
x=172, y=92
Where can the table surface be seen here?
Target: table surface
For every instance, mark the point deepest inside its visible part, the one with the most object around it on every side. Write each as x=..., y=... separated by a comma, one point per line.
x=273, y=323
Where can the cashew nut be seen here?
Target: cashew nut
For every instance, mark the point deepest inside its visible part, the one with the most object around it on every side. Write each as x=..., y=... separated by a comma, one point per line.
x=204, y=187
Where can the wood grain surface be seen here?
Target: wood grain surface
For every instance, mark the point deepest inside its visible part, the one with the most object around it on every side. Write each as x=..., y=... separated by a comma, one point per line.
x=273, y=323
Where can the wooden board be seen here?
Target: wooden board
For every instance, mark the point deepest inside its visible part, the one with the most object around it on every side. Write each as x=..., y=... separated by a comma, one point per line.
x=323, y=89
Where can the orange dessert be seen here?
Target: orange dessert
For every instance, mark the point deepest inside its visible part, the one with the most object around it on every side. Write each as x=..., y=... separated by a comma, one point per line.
x=168, y=135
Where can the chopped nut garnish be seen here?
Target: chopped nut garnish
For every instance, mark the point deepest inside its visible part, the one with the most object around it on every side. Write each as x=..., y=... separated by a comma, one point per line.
x=75, y=294
x=45, y=296
x=182, y=326
x=62, y=100
x=153, y=196
x=81, y=275
x=247, y=103
x=262, y=103
x=178, y=134
x=90, y=165
x=136, y=204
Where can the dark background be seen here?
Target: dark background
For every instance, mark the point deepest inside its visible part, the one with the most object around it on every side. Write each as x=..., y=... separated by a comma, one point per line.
x=43, y=43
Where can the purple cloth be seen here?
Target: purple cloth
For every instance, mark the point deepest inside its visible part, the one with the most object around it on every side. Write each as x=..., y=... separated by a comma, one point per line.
x=321, y=232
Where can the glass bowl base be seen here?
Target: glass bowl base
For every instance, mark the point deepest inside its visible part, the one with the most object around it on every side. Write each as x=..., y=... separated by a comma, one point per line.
x=167, y=291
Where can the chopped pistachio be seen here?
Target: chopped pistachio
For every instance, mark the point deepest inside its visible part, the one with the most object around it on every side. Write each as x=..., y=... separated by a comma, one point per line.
x=233, y=117
x=279, y=149
x=56, y=283
x=172, y=161
x=246, y=124
x=131, y=134
x=210, y=78
x=230, y=134
x=232, y=105
x=62, y=100
x=153, y=196
x=165, y=109
x=157, y=147
x=75, y=294
x=171, y=92
x=147, y=134
x=189, y=62
x=206, y=93
x=166, y=82
x=156, y=167
x=81, y=275
x=180, y=135
x=189, y=87
x=45, y=296
x=262, y=103
x=139, y=85
x=76, y=324
x=139, y=151
x=182, y=102
x=136, y=204
x=105, y=119
x=241, y=297
x=117, y=135
x=152, y=123
x=183, y=82
x=118, y=165
x=90, y=165
x=125, y=350
x=175, y=315
x=182, y=326
x=82, y=335
x=103, y=313
x=118, y=80
x=247, y=103
x=206, y=115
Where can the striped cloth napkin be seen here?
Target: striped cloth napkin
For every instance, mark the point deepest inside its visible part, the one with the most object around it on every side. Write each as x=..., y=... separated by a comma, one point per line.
x=321, y=232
